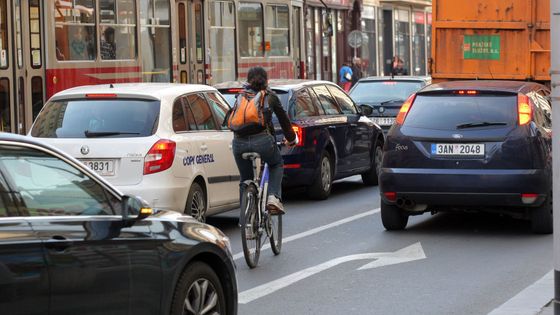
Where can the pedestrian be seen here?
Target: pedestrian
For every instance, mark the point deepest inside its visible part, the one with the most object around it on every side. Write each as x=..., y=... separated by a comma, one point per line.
x=250, y=119
x=345, y=77
x=398, y=67
x=356, y=70
x=108, y=45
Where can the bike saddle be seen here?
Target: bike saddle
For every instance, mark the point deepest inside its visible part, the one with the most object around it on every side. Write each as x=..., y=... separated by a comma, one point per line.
x=250, y=156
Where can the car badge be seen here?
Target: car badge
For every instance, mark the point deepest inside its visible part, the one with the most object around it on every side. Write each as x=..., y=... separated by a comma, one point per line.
x=84, y=150
x=457, y=136
x=381, y=109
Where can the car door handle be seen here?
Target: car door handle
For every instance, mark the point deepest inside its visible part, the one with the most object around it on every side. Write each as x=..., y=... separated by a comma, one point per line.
x=204, y=147
x=353, y=125
x=58, y=243
x=332, y=127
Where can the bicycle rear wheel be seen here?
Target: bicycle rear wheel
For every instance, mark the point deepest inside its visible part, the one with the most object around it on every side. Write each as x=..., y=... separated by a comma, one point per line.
x=250, y=234
x=275, y=235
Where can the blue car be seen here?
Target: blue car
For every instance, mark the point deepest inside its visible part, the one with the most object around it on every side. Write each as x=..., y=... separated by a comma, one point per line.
x=470, y=145
x=336, y=140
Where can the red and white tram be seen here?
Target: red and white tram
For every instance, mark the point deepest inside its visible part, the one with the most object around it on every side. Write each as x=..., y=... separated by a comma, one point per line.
x=49, y=46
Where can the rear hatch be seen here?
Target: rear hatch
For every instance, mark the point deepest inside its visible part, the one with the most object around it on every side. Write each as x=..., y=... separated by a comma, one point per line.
x=111, y=136
x=456, y=130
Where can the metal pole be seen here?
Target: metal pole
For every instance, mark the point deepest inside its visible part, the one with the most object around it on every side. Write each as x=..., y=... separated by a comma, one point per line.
x=555, y=85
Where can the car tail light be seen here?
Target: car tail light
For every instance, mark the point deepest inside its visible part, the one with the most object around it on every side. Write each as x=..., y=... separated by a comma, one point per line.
x=404, y=109
x=391, y=195
x=524, y=109
x=160, y=157
x=529, y=198
x=299, y=132
x=234, y=90
x=466, y=92
x=292, y=166
x=101, y=95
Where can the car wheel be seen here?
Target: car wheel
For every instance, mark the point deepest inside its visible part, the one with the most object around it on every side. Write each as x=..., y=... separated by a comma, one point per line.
x=196, y=203
x=321, y=187
x=541, y=217
x=198, y=291
x=371, y=177
x=393, y=217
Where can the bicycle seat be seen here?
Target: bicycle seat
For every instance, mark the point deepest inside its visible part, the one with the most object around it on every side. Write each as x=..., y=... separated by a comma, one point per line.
x=250, y=156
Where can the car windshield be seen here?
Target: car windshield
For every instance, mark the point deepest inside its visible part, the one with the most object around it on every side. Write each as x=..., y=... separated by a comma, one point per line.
x=81, y=118
x=450, y=112
x=368, y=92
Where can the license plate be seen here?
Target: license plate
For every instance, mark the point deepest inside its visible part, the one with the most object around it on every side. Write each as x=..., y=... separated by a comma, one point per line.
x=383, y=121
x=459, y=149
x=101, y=167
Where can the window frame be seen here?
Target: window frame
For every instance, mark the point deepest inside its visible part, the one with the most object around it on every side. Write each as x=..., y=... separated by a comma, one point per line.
x=262, y=25
x=115, y=27
x=78, y=23
x=273, y=26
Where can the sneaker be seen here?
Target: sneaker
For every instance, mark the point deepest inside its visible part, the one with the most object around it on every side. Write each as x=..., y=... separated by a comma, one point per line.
x=274, y=205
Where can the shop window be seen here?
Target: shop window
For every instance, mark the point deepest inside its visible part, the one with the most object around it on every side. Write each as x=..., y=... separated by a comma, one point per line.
x=277, y=30
x=155, y=39
x=222, y=43
x=419, y=44
x=310, y=45
x=75, y=30
x=251, y=41
x=5, y=113
x=117, y=29
x=369, y=46
x=402, y=37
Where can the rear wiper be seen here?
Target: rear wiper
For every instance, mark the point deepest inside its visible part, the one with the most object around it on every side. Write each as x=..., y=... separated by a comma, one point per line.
x=481, y=124
x=391, y=101
x=93, y=134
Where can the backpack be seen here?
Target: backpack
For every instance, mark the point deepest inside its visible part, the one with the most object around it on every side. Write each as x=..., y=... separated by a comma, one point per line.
x=246, y=116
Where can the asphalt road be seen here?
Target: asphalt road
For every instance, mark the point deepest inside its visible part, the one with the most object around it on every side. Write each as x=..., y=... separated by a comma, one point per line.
x=441, y=264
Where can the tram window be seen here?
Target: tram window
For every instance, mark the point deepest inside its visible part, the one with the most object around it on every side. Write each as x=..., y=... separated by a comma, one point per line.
x=75, y=30
x=155, y=40
x=5, y=115
x=222, y=31
x=36, y=95
x=3, y=35
x=251, y=41
x=182, y=35
x=35, y=33
x=277, y=30
x=117, y=29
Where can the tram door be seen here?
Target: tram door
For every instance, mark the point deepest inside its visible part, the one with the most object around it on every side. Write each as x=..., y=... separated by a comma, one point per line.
x=7, y=86
x=24, y=57
x=297, y=44
x=196, y=41
x=183, y=43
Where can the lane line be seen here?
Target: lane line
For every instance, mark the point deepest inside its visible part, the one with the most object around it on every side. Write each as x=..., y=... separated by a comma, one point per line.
x=318, y=229
x=531, y=300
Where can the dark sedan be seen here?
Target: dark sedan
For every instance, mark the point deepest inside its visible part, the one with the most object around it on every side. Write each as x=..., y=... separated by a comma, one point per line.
x=336, y=140
x=381, y=97
x=72, y=244
x=474, y=146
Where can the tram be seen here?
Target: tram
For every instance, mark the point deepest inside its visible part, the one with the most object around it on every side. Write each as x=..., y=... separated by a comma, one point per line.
x=49, y=46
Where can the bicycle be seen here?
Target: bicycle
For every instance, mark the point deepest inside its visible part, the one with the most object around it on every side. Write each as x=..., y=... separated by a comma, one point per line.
x=255, y=220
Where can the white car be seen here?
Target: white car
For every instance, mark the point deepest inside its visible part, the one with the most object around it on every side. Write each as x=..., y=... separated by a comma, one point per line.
x=162, y=142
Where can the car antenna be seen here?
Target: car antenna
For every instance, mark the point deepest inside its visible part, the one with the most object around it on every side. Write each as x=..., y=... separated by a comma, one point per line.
x=111, y=86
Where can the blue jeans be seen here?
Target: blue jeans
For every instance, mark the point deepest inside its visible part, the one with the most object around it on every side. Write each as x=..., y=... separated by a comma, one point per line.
x=265, y=145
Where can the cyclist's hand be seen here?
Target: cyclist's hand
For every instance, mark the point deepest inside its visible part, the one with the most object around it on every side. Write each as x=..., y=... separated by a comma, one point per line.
x=291, y=144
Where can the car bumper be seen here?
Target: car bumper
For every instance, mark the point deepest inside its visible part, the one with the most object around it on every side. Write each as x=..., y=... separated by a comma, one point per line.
x=437, y=187
x=161, y=194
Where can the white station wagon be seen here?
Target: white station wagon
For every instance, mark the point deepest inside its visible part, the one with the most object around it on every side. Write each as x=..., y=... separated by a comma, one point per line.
x=162, y=142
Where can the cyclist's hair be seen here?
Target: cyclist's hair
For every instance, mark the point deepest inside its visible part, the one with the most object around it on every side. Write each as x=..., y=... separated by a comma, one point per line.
x=257, y=78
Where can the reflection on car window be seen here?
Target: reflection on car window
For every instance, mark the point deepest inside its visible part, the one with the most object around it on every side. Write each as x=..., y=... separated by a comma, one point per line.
x=219, y=106
x=382, y=91
x=49, y=186
x=326, y=100
x=303, y=105
x=201, y=112
x=178, y=118
x=345, y=103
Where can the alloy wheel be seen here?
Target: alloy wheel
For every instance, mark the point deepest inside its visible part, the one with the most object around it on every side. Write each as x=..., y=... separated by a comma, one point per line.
x=202, y=298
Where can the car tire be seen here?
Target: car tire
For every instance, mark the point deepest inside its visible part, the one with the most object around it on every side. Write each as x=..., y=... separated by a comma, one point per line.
x=541, y=217
x=393, y=217
x=322, y=184
x=371, y=177
x=196, y=203
x=198, y=287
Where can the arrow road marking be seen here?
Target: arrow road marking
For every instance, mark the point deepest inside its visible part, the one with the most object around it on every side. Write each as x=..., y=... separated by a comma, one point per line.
x=317, y=229
x=409, y=253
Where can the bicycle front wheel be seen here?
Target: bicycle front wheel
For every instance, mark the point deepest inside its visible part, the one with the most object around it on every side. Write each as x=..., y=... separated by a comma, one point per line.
x=250, y=234
x=275, y=236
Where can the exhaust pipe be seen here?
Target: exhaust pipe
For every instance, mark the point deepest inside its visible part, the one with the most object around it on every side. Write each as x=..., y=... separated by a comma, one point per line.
x=400, y=202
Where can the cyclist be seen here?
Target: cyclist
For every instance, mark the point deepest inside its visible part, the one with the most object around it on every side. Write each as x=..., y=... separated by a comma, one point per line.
x=261, y=138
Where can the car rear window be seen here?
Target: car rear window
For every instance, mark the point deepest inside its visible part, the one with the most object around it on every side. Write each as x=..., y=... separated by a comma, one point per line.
x=446, y=112
x=82, y=118
x=382, y=91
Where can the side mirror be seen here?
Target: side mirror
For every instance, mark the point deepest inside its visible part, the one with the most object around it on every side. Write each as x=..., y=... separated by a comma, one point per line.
x=134, y=209
x=366, y=110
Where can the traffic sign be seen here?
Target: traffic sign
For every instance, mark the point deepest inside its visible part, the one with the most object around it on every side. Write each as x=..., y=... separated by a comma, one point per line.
x=355, y=39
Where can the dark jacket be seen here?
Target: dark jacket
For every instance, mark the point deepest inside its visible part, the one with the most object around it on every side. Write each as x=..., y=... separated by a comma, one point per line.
x=272, y=105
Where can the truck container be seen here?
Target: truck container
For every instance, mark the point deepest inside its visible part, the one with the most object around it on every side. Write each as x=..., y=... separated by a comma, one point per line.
x=491, y=39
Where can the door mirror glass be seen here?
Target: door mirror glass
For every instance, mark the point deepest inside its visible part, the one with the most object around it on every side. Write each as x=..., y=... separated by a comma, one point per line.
x=366, y=110
x=132, y=205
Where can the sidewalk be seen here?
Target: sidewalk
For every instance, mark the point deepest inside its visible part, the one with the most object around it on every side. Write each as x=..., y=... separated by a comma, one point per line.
x=533, y=300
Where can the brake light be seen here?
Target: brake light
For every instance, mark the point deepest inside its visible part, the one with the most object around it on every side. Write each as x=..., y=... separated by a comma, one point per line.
x=524, y=109
x=389, y=83
x=300, y=134
x=466, y=92
x=529, y=198
x=101, y=95
x=404, y=109
x=234, y=90
x=292, y=166
x=160, y=157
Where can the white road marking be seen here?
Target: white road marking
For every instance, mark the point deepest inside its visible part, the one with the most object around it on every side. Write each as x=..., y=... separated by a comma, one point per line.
x=409, y=253
x=317, y=229
x=530, y=300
